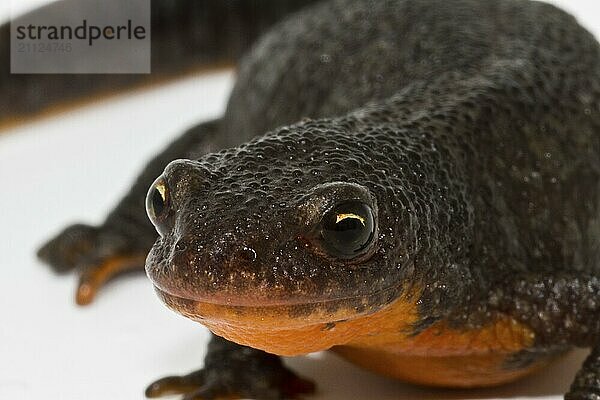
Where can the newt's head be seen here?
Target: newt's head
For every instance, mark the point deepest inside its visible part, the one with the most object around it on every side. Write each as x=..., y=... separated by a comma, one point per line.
x=304, y=227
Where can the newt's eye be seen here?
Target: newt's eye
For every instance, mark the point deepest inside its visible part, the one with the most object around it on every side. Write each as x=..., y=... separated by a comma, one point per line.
x=348, y=229
x=158, y=205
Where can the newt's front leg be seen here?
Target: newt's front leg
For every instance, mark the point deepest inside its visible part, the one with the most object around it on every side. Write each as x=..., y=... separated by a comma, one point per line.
x=234, y=371
x=97, y=252
x=562, y=310
x=587, y=382
x=122, y=242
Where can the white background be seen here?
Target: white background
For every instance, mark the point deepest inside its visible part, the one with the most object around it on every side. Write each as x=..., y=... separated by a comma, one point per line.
x=74, y=167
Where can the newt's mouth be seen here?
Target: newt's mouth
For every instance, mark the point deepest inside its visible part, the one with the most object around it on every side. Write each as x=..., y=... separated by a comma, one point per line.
x=268, y=315
x=242, y=296
x=282, y=329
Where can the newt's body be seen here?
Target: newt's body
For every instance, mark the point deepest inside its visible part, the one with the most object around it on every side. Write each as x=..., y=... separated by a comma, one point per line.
x=426, y=201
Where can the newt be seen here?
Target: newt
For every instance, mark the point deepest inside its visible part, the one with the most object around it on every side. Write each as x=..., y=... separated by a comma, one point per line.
x=413, y=185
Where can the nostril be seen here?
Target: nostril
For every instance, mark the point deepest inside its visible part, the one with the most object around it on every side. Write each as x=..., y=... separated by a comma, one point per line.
x=177, y=255
x=247, y=254
x=180, y=246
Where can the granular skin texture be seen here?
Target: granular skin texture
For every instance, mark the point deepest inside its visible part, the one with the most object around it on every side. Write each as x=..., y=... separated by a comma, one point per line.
x=478, y=145
x=472, y=131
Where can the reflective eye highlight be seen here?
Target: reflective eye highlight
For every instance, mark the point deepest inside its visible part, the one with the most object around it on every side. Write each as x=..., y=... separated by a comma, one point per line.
x=341, y=217
x=158, y=205
x=348, y=230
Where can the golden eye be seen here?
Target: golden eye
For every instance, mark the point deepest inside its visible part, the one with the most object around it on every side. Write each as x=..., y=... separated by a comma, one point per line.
x=158, y=205
x=348, y=229
x=341, y=217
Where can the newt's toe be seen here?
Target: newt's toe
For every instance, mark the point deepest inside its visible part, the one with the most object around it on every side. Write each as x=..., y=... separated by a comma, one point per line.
x=65, y=251
x=94, y=276
x=176, y=385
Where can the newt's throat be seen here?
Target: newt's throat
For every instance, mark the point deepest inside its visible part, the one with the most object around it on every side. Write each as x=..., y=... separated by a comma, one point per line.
x=291, y=329
x=439, y=355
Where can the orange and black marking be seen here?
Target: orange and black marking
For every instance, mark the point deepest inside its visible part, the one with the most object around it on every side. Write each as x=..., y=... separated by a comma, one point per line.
x=382, y=340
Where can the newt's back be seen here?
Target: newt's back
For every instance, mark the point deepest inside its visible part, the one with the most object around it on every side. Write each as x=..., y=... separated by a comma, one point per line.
x=511, y=85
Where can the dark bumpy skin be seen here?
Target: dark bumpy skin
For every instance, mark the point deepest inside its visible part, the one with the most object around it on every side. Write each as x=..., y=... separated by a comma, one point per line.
x=470, y=129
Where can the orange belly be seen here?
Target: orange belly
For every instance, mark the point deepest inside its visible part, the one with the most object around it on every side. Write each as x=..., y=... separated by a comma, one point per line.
x=450, y=371
x=382, y=341
x=445, y=356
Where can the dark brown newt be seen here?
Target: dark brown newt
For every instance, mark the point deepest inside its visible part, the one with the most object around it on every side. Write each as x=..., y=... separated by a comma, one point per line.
x=412, y=184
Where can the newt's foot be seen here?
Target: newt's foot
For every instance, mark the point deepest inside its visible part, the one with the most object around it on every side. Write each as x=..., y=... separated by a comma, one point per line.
x=586, y=385
x=96, y=254
x=582, y=396
x=239, y=372
x=209, y=385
